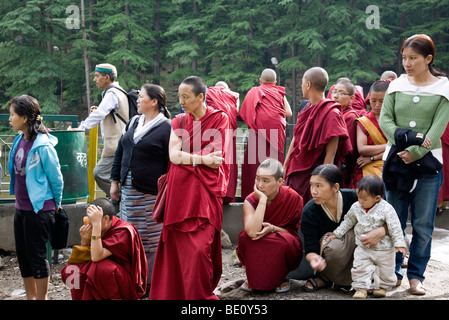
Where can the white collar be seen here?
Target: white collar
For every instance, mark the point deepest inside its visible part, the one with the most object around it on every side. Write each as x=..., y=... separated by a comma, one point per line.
x=402, y=84
x=142, y=128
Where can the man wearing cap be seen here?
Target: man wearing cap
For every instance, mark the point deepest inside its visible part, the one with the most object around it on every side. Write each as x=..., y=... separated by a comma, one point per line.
x=111, y=127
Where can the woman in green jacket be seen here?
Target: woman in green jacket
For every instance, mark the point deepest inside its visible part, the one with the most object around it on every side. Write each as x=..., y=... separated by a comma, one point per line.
x=419, y=101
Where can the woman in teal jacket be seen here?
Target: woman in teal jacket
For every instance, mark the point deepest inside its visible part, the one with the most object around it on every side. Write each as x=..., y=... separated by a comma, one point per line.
x=37, y=183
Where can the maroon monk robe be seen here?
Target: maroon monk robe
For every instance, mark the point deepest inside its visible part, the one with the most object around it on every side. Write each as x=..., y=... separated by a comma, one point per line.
x=444, y=191
x=122, y=275
x=262, y=110
x=350, y=115
x=268, y=260
x=226, y=101
x=315, y=127
x=359, y=103
x=188, y=261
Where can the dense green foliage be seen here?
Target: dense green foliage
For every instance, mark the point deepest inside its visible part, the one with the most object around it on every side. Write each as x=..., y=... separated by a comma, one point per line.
x=163, y=41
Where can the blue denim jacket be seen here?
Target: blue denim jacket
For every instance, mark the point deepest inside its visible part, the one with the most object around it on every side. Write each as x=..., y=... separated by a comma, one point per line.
x=44, y=179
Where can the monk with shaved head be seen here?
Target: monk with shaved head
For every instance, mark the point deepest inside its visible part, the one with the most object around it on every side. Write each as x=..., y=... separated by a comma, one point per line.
x=264, y=109
x=268, y=76
x=320, y=135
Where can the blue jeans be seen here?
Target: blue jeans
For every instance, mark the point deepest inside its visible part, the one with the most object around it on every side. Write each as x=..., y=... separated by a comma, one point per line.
x=422, y=203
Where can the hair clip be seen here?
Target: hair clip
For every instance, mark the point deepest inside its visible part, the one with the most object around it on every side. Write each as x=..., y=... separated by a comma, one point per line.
x=39, y=118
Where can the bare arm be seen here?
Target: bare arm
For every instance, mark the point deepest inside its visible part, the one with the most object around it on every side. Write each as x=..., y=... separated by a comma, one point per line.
x=255, y=227
x=97, y=251
x=365, y=149
x=288, y=109
x=287, y=157
x=331, y=150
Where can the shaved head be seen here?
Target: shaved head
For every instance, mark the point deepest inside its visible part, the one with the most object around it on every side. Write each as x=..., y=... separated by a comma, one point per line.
x=222, y=84
x=318, y=77
x=268, y=76
x=388, y=75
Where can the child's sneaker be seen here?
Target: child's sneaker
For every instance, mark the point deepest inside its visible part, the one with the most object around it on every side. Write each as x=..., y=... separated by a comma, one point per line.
x=360, y=294
x=379, y=293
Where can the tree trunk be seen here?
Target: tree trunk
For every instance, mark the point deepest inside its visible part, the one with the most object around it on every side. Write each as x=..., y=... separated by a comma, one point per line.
x=195, y=37
x=126, y=62
x=157, y=55
x=86, y=59
x=294, y=116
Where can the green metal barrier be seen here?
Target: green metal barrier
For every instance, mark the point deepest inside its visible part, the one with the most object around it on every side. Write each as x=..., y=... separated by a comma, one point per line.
x=71, y=150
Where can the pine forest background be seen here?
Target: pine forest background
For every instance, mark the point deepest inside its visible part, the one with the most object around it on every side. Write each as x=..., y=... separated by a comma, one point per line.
x=49, y=45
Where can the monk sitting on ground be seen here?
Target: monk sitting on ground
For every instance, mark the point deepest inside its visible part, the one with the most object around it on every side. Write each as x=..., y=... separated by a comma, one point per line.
x=270, y=247
x=110, y=263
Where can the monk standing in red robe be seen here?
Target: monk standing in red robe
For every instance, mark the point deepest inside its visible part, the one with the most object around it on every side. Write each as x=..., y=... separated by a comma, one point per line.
x=110, y=264
x=344, y=93
x=359, y=103
x=320, y=135
x=222, y=98
x=371, y=141
x=188, y=262
x=264, y=109
x=444, y=190
x=270, y=247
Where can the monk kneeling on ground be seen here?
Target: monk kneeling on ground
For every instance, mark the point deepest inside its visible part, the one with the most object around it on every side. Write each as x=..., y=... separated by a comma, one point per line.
x=110, y=263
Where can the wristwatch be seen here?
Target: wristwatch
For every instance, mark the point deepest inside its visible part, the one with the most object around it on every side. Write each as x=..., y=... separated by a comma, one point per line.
x=95, y=237
x=371, y=158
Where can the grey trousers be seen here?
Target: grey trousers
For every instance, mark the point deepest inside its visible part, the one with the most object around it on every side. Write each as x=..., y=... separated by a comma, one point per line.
x=102, y=173
x=374, y=265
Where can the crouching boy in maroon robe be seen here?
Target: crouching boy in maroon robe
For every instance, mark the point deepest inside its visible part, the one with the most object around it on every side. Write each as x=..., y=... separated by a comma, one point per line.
x=270, y=247
x=111, y=261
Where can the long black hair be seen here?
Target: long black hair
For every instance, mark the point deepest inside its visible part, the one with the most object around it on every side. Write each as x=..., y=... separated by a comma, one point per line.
x=28, y=107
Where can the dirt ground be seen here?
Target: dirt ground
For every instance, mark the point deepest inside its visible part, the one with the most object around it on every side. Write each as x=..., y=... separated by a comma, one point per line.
x=436, y=283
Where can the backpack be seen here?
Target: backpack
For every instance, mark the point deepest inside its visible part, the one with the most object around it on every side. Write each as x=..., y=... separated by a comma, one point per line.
x=132, y=96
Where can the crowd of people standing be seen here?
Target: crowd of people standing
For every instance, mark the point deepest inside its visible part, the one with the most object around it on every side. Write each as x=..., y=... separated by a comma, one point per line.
x=340, y=198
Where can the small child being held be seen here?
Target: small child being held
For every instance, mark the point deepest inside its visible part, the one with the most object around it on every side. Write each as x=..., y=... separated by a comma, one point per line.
x=378, y=263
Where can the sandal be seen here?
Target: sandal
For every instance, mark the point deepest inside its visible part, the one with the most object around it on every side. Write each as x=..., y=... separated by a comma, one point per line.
x=315, y=286
x=360, y=294
x=283, y=287
x=440, y=209
x=245, y=287
x=379, y=293
x=417, y=288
